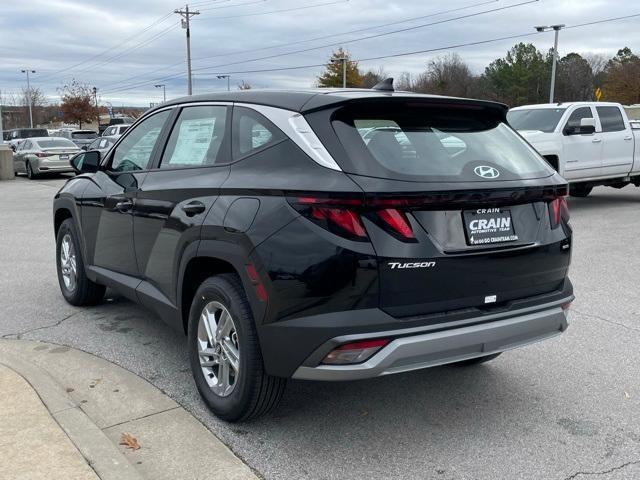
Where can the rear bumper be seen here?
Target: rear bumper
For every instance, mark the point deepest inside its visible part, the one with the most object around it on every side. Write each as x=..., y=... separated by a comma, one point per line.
x=414, y=351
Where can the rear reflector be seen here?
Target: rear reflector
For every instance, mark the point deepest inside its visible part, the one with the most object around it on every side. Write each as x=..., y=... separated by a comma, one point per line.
x=397, y=222
x=356, y=352
x=261, y=292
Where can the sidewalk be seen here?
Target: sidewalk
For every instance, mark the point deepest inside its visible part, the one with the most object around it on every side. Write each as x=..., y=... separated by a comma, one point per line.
x=63, y=414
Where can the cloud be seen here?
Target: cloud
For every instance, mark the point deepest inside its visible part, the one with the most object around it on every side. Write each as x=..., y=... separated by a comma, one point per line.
x=105, y=43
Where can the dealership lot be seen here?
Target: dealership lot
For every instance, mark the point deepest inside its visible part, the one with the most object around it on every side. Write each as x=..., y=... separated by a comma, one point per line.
x=565, y=408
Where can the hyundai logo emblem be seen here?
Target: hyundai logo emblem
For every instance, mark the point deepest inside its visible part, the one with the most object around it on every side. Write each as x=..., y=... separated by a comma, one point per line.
x=486, y=172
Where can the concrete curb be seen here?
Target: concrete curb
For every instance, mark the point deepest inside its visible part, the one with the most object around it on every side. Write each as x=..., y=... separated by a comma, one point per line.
x=95, y=402
x=101, y=454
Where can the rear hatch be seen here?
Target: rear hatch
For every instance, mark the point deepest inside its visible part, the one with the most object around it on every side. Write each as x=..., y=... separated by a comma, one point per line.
x=460, y=211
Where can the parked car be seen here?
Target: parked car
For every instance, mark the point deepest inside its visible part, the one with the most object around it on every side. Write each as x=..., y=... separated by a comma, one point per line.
x=115, y=121
x=635, y=124
x=116, y=130
x=16, y=136
x=40, y=155
x=588, y=143
x=306, y=252
x=102, y=144
x=79, y=137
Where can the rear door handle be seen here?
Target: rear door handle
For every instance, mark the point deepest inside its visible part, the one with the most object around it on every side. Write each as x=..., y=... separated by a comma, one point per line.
x=628, y=138
x=596, y=140
x=193, y=208
x=124, y=206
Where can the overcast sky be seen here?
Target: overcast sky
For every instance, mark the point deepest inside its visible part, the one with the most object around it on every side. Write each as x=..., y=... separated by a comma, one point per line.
x=124, y=47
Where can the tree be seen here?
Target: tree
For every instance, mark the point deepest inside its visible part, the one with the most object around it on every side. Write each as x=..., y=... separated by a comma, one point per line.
x=332, y=75
x=521, y=77
x=77, y=103
x=371, y=77
x=447, y=75
x=574, y=81
x=598, y=63
x=622, y=82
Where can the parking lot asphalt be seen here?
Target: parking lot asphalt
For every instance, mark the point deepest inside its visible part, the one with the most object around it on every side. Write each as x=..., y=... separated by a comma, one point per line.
x=566, y=408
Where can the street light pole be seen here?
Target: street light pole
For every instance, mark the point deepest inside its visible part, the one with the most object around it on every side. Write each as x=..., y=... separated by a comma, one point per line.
x=186, y=15
x=164, y=91
x=556, y=29
x=344, y=59
x=27, y=71
x=228, y=77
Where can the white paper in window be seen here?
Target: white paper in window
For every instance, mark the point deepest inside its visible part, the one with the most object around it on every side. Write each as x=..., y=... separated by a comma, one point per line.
x=194, y=140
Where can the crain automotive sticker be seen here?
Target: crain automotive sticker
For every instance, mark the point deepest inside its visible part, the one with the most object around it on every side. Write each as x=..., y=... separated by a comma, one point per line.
x=489, y=225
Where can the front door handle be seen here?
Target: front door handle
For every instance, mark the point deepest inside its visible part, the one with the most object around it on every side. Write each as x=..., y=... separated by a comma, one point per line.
x=124, y=206
x=628, y=138
x=193, y=208
x=596, y=140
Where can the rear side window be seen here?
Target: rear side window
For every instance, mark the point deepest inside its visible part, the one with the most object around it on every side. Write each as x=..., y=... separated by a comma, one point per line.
x=426, y=143
x=610, y=119
x=197, y=138
x=252, y=132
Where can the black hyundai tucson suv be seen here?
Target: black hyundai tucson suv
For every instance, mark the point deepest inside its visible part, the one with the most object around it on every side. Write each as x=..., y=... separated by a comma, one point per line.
x=321, y=235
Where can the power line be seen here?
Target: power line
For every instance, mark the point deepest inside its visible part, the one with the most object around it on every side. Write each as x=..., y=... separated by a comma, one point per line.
x=283, y=10
x=401, y=54
x=374, y=27
x=126, y=40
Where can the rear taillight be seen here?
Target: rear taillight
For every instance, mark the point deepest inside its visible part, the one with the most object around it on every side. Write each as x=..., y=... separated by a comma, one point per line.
x=396, y=223
x=558, y=211
x=338, y=215
x=355, y=352
x=43, y=154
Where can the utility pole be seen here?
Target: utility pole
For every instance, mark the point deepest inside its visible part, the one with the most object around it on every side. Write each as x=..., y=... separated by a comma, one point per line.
x=228, y=77
x=27, y=71
x=164, y=91
x=344, y=59
x=556, y=29
x=1, y=131
x=186, y=15
x=95, y=100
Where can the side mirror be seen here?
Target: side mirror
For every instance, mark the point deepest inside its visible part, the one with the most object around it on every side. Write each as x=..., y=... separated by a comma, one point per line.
x=84, y=147
x=87, y=162
x=587, y=127
x=13, y=147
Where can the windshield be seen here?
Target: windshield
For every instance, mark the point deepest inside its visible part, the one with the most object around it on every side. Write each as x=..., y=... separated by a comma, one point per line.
x=57, y=143
x=34, y=133
x=431, y=145
x=88, y=135
x=542, y=119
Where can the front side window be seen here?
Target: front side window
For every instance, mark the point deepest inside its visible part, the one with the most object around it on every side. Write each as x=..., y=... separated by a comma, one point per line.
x=540, y=119
x=578, y=114
x=252, y=131
x=197, y=138
x=610, y=119
x=134, y=152
x=420, y=143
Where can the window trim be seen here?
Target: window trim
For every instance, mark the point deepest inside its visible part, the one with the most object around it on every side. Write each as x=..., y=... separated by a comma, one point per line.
x=174, y=120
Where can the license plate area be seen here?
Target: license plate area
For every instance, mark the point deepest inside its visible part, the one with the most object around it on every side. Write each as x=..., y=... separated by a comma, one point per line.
x=64, y=157
x=488, y=226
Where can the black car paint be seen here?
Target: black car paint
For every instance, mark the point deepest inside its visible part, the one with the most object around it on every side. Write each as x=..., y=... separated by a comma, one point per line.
x=138, y=239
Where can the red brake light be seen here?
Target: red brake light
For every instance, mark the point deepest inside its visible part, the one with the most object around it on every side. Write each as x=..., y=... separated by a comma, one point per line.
x=345, y=219
x=558, y=211
x=397, y=221
x=43, y=154
x=338, y=215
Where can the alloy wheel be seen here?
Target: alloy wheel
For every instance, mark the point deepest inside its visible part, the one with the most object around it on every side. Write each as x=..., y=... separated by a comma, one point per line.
x=68, y=265
x=218, y=348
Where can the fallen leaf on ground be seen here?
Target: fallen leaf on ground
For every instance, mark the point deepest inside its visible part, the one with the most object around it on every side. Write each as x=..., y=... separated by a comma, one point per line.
x=626, y=395
x=129, y=441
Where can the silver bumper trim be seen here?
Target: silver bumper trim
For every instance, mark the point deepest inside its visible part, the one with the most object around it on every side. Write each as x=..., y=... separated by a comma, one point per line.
x=447, y=346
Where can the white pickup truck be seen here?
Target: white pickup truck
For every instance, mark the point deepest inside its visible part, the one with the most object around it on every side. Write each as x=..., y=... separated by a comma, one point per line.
x=588, y=143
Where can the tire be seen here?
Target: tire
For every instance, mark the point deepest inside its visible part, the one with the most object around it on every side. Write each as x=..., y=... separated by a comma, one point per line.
x=254, y=393
x=77, y=289
x=579, y=192
x=477, y=360
x=30, y=173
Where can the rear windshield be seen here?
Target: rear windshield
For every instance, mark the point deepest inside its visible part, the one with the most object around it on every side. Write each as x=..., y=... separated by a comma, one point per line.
x=445, y=144
x=36, y=132
x=88, y=135
x=541, y=119
x=57, y=143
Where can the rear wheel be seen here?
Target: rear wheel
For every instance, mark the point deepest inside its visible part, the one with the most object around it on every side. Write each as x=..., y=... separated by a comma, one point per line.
x=76, y=287
x=225, y=355
x=477, y=360
x=580, y=191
